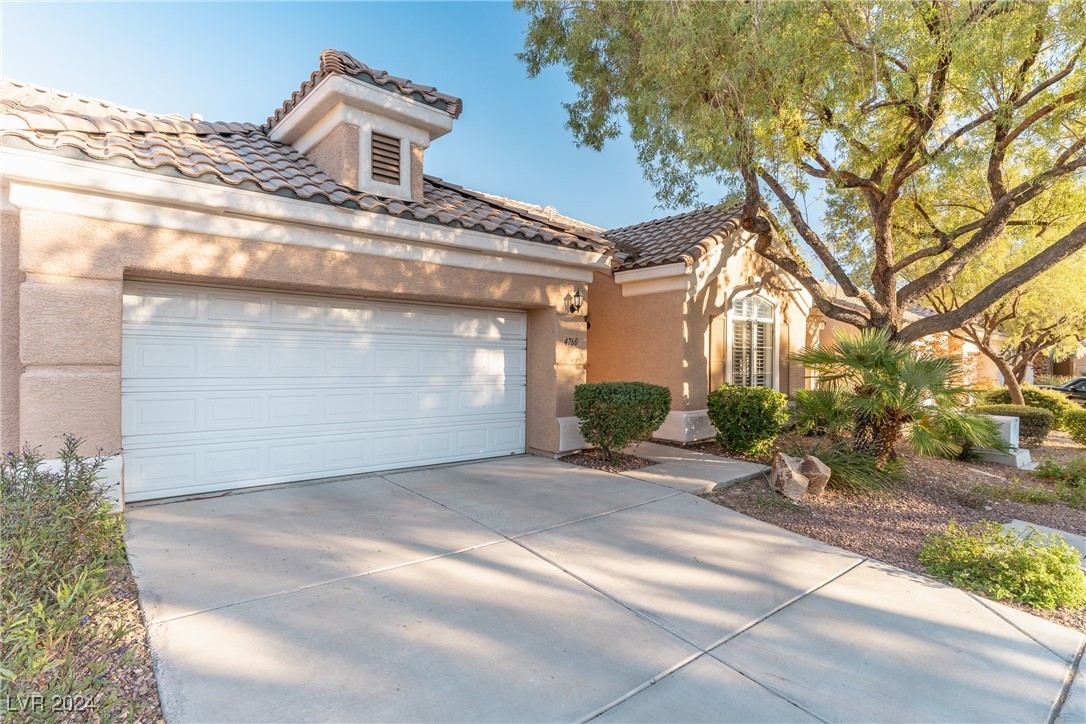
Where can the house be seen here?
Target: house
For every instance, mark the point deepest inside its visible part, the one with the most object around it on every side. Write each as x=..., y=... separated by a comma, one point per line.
x=237, y=305
x=690, y=305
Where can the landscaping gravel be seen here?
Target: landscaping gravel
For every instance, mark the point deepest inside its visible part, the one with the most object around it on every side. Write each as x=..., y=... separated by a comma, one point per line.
x=598, y=461
x=130, y=678
x=892, y=528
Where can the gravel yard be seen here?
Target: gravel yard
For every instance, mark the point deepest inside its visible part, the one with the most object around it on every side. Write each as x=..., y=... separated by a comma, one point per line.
x=893, y=528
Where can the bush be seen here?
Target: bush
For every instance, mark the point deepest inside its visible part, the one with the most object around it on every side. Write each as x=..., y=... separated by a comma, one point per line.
x=747, y=419
x=60, y=539
x=1053, y=380
x=615, y=414
x=1033, y=422
x=1037, y=570
x=850, y=471
x=1074, y=422
x=1070, y=480
x=1055, y=402
x=824, y=411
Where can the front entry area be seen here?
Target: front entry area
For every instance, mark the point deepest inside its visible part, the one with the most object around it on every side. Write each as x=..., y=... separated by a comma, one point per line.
x=231, y=388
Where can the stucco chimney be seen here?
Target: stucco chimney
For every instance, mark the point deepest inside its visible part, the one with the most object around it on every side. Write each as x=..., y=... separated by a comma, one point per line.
x=366, y=129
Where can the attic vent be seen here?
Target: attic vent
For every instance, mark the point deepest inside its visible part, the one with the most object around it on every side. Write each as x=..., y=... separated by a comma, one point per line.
x=385, y=153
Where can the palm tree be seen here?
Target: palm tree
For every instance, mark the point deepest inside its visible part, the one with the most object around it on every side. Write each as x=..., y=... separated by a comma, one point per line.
x=892, y=389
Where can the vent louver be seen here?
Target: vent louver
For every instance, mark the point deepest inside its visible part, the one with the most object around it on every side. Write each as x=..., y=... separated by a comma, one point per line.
x=385, y=158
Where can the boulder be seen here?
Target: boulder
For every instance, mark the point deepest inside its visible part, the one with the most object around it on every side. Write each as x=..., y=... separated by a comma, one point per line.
x=785, y=477
x=817, y=473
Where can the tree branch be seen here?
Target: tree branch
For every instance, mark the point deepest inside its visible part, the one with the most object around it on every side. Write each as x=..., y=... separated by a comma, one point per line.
x=1057, y=252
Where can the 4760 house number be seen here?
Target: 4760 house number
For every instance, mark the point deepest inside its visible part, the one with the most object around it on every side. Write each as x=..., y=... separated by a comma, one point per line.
x=573, y=341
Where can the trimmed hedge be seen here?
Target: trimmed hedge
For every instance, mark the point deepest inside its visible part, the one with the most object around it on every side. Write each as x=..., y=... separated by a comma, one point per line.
x=615, y=414
x=1033, y=422
x=1074, y=422
x=747, y=419
x=1055, y=402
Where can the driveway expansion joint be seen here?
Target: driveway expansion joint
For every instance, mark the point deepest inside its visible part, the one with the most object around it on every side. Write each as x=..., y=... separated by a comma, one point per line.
x=1069, y=681
x=987, y=604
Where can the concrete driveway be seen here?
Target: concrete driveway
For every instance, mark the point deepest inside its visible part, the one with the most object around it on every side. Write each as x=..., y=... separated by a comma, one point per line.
x=527, y=589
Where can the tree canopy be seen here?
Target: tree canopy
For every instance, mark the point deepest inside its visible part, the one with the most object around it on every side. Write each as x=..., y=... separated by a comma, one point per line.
x=930, y=127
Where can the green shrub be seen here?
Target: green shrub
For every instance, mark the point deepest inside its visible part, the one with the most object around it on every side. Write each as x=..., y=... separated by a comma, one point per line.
x=1074, y=422
x=1033, y=422
x=1053, y=380
x=1070, y=480
x=1038, y=570
x=615, y=414
x=1055, y=402
x=747, y=419
x=850, y=471
x=824, y=411
x=1014, y=493
x=60, y=539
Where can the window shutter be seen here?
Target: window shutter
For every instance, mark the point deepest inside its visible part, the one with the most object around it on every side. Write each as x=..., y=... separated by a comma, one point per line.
x=385, y=158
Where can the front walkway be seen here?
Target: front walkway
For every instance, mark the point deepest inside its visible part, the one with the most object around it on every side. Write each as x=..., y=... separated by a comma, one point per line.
x=527, y=589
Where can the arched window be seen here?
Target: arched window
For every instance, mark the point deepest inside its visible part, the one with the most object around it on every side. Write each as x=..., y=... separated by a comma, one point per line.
x=751, y=360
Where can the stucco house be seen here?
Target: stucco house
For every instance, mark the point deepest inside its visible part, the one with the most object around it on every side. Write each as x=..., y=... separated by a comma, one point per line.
x=237, y=305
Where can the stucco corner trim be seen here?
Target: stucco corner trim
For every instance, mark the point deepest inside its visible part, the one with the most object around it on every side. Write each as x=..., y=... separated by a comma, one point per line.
x=654, y=279
x=569, y=435
x=686, y=426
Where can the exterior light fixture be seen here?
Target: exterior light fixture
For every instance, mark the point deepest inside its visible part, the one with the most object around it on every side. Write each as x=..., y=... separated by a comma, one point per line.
x=575, y=302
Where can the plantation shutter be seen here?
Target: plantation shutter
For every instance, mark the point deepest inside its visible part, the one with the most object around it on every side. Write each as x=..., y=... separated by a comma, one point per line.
x=753, y=331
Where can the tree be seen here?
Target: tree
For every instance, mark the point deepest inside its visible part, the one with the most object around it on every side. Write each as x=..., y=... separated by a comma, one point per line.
x=893, y=388
x=1046, y=315
x=895, y=108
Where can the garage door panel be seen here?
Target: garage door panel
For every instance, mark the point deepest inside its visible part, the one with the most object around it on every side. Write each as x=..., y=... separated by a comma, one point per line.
x=225, y=388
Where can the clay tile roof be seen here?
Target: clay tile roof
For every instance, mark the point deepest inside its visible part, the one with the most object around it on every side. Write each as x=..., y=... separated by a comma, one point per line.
x=679, y=238
x=242, y=155
x=337, y=62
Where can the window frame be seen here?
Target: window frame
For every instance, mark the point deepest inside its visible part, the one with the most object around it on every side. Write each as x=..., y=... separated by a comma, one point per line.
x=732, y=318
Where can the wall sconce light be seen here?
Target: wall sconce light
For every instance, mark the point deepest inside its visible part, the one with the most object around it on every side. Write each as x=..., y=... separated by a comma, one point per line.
x=575, y=301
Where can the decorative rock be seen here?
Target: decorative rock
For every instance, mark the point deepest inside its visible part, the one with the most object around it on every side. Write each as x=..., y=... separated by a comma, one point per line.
x=817, y=473
x=785, y=477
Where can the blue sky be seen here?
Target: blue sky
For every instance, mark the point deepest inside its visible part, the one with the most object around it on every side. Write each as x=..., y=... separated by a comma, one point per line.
x=239, y=61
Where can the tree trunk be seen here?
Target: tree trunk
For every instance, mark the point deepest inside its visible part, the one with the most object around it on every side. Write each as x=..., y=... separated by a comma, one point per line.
x=1013, y=386
x=886, y=436
x=1009, y=378
x=863, y=434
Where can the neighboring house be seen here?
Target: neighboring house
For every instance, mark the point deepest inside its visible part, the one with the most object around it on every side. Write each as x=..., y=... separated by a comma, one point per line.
x=979, y=370
x=1072, y=366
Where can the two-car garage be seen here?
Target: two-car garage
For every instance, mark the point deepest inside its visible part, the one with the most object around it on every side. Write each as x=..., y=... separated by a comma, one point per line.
x=231, y=388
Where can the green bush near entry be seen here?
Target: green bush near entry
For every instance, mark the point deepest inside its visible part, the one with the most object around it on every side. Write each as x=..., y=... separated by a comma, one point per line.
x=1038, y=570
x=747, y=419
x=615, y=414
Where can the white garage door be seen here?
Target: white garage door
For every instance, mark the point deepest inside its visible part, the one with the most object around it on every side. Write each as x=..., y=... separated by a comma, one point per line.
x=232, y=388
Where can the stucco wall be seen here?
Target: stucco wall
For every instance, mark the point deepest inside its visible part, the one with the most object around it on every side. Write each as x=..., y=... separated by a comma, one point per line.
x=715, y=299
x=69, y=311
x=337, y=155
x=10, y=366
x=637, y=339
